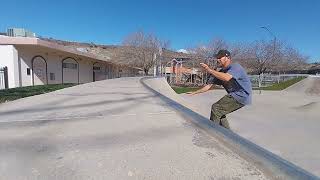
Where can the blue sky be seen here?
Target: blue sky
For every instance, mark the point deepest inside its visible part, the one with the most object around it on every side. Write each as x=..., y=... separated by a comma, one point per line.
x=185, y=23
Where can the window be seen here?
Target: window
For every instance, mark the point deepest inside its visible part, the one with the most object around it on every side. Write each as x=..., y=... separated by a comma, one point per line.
x=70, y=65
x=52, y=77
x=28, y=71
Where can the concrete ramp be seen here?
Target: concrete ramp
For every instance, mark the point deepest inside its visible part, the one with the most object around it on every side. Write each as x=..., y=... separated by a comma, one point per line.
x=309, y=86
x=313, y=106
x=270, y=163
x=160, y=85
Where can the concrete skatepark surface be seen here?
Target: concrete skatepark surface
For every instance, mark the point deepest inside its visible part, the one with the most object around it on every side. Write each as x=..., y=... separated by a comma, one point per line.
x=286, y=122
x=112, y=129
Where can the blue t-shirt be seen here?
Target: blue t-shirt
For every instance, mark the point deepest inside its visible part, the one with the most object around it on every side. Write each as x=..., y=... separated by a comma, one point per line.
x=239, y=87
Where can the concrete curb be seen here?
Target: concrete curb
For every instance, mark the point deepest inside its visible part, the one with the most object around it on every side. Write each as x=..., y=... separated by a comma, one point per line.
x=272, y=165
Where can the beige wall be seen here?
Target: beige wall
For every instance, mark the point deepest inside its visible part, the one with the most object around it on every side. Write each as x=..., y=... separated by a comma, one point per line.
x=25, y=58
x=86, y=70
x=55, y=67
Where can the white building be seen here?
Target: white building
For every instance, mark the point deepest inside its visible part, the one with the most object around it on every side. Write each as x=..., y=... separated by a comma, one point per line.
x=31, y=61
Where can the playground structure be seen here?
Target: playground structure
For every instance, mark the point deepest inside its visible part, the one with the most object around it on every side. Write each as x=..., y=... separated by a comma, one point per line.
x=178, y=72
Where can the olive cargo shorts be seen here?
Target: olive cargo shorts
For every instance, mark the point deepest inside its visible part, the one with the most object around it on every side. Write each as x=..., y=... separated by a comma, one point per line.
x=224, y=106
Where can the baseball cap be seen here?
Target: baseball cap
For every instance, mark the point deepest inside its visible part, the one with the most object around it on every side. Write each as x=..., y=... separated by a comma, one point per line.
x=222, y=53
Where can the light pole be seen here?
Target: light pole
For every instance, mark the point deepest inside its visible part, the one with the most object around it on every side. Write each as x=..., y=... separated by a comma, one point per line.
x=274, y=46
x=267, y=29
x=274, y=39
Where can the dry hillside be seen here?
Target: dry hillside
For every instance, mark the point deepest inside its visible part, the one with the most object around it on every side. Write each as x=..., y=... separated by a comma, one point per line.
x=118, y=54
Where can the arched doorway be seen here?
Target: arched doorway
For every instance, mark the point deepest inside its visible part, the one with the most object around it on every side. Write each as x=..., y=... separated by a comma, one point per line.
x=70, y=70
x=39, y=71
x=108, y=71
x=98, y=72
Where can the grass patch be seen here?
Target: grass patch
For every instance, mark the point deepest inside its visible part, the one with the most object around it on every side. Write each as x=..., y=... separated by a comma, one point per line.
x=180, y=90
x=283, y=85
x=21, y=92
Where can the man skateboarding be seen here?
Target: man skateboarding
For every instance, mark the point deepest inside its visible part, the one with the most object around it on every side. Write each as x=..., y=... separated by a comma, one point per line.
x=235, y=81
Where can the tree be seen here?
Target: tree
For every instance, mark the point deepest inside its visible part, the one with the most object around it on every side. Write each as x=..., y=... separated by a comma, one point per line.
x=269, y=56
x=146, y=48
x=205, y=52
x=262, y=56
x=293, y=60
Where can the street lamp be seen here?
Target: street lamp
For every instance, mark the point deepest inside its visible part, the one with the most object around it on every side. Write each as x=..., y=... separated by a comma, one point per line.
x=274, y=45
x=274, y=38
x=267, y=29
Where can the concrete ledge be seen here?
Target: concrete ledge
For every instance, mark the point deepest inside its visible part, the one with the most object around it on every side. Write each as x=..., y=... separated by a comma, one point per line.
x=272, y=165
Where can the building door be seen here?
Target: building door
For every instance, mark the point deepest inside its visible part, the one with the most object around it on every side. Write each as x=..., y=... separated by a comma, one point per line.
x=108, y=72
x=98, y=72
x=70, y=71
x=39, y=71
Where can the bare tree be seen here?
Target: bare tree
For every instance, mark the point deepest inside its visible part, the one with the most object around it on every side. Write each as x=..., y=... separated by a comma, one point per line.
x=267, y=56
x=263, y=56
x=208, y=50
x=145, y=49
x=205, y=52
x=292, y=60
x=237, y=51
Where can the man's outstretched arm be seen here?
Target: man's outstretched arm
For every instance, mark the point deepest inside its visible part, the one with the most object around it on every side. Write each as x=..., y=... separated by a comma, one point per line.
x=202, y=90
x=220, y=75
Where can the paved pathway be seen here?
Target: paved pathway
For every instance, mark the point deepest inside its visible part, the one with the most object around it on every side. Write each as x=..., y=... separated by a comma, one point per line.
x=113, y=129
